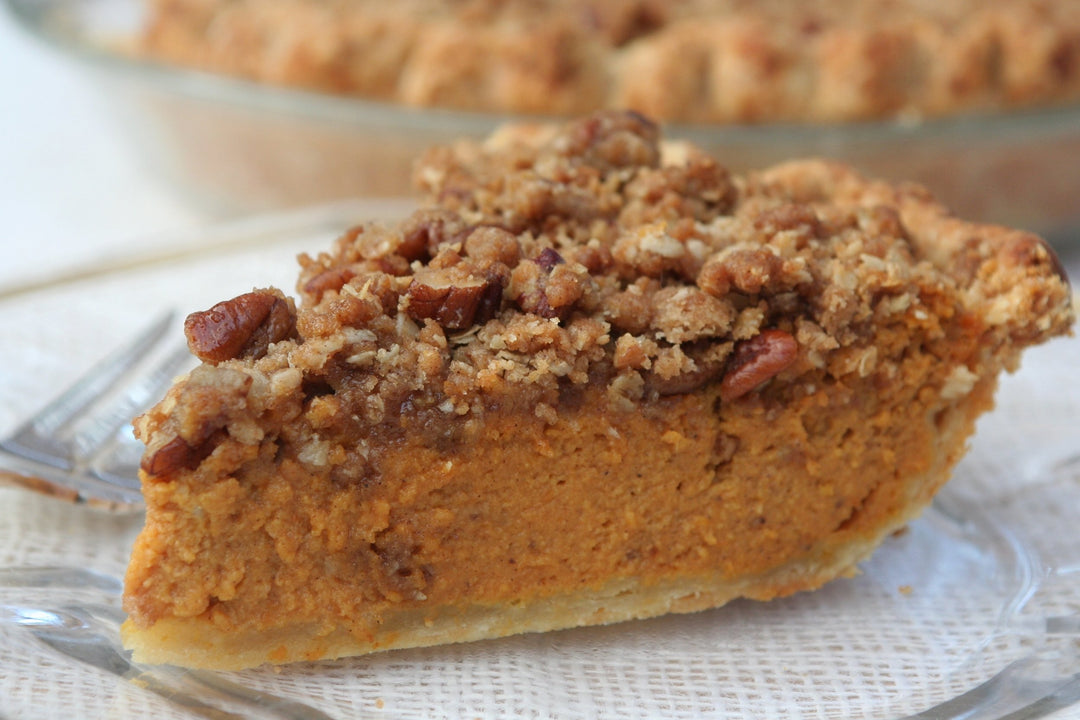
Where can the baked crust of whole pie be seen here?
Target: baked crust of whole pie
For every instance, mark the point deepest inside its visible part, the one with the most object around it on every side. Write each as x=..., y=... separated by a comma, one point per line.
x=593, y=378
x=712, y=61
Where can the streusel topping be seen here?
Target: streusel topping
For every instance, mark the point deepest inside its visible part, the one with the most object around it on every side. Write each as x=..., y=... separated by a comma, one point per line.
x=550, y=260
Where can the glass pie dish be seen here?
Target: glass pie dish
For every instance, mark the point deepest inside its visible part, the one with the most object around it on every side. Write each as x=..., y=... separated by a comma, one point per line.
x=237, y=146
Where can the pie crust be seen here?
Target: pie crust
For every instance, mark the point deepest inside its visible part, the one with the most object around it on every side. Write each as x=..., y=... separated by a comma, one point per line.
x=594, y=378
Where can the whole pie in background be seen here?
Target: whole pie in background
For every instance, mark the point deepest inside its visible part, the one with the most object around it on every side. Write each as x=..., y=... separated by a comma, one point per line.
x=699, y=61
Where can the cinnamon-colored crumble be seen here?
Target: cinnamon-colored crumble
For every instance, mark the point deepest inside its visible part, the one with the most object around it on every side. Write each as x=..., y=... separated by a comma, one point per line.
x=593, y=378
x=688, y=60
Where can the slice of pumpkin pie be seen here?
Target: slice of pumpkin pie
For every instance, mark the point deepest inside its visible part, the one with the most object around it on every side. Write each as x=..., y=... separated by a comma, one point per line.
x=592, y=379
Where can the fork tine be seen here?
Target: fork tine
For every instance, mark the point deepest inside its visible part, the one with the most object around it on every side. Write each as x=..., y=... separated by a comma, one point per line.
x=113, y=453
x=59, y=578
x=117, y=417
x=75, y=488
x=38, y=439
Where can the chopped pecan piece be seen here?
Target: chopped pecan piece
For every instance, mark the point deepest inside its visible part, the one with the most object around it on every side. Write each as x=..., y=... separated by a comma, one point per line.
x=756, y=360
x=331, y=279
x=177, y=454
x=548, y=286
x=548, y=259
x=454, y=297
x=1028, y=251
x=425, y=230
x=242, y=327
x=171, y=456
x=705, y=372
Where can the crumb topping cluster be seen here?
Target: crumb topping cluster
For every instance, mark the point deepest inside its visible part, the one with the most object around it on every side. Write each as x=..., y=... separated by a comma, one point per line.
x=551, y=261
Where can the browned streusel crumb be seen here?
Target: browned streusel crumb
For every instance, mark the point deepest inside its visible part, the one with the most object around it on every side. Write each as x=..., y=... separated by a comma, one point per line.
x=691, y=60
x=738, y=384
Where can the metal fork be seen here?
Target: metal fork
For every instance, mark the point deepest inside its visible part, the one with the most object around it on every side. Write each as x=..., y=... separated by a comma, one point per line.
x=79, y=447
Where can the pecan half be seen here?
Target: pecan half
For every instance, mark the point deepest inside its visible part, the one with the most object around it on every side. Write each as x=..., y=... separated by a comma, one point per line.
x=332, y=279
x=454, y=297
x=242, y=327
x=756, y=360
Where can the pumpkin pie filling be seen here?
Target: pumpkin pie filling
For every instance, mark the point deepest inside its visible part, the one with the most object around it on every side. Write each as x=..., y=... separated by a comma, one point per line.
x=593, y=378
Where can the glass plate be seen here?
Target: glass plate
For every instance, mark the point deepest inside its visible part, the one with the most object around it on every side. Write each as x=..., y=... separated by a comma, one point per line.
x=971, y=612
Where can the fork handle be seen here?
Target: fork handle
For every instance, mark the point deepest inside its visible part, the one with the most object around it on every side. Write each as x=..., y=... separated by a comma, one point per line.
x=44, y=486
x=38, y=485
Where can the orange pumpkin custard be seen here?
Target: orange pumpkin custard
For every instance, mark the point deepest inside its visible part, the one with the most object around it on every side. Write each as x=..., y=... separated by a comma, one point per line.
x=593, y=378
